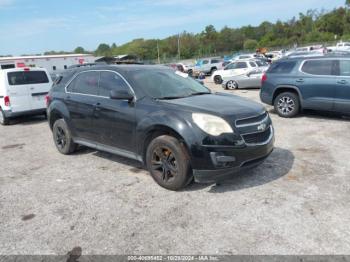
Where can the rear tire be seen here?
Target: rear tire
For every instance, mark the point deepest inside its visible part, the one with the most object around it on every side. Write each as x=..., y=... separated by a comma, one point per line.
x=3, y=119
x=287, y=104
x=168, y=163
x=217, y=79
x=63, y=137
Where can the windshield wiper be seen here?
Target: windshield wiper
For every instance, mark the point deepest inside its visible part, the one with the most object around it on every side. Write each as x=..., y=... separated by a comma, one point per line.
x=200, y=93
x=178, y=97
x=170, y=97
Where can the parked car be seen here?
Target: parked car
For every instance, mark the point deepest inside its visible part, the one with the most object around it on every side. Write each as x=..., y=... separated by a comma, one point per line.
x=237, y=68
x=250, y=80
x=185, y=67
x=274, y=55
x=320, y=83
x=207, y=66
x=310, y=48
x=315, y=53
x=22, y=92
x=341, y=46
x=244, y=57
x=162, y=118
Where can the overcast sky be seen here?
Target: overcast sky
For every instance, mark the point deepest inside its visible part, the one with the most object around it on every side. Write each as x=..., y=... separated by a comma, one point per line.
x=35, y=26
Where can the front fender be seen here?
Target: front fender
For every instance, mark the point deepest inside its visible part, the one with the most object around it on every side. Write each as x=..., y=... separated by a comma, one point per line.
x=165, y=121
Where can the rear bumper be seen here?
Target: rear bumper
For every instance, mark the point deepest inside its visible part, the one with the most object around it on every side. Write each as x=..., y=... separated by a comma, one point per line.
x=10, y=114
x=266, y=97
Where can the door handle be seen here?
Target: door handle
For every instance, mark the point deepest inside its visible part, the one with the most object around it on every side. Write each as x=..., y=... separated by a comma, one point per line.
x=300, y=80
x=342, y=82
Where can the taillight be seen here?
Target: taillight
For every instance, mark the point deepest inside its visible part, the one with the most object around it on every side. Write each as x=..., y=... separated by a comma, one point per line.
x=7, y=101
x=47, y=100
x=264, y=78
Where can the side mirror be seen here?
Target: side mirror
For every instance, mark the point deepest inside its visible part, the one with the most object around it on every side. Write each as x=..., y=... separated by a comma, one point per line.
x=121, y=95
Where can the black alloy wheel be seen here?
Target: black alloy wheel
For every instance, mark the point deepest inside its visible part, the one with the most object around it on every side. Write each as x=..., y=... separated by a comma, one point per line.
x=168, y=162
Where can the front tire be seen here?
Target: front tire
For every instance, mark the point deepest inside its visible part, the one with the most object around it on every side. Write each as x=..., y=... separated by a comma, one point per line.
x=3, y=119
x=168, y=162
x=63, y=137
x=231, y=85
x=287, y=105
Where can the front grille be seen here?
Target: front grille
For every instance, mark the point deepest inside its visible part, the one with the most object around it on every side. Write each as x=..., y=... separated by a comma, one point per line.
x=257, y=138
x=251, y=121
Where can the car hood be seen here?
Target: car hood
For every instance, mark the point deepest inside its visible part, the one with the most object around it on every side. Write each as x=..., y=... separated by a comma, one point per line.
x=222, y=104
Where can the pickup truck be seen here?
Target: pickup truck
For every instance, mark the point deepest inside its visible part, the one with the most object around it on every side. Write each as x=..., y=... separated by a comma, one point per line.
x=207, y=66
x=341, y=46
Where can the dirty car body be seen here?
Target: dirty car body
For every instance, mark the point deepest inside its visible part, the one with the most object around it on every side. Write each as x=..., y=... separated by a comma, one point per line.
x=154, y=108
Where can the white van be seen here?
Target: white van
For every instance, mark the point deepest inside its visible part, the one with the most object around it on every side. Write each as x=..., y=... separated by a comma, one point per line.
x=23, y=92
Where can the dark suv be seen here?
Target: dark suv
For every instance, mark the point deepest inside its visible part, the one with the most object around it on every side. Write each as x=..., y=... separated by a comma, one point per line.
x=165, y=119
x=319, y=83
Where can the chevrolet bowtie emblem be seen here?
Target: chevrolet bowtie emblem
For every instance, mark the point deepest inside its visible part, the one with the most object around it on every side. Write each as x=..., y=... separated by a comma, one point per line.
x=262, y=127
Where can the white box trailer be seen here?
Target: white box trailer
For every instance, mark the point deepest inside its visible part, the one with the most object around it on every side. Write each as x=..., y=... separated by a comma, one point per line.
x=51, y=63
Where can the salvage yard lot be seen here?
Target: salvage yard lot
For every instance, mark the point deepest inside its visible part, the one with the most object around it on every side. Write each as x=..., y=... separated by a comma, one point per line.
x=297, y=202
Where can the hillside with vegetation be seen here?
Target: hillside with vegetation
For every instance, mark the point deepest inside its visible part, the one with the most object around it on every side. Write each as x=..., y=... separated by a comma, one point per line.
x=314, y=26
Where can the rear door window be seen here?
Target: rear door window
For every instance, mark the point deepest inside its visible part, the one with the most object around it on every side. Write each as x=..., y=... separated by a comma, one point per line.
x=240, y=65
x=111, y=81
x=344, y=66
x=282, y=67
x=27, y=78
x=319, y=67
x=85, y=83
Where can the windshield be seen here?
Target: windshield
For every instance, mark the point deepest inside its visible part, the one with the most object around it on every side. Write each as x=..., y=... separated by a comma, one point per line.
x=198, y=63
x=167, y=84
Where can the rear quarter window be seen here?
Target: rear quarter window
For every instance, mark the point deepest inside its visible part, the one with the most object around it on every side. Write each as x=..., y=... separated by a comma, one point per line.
x=282, y=67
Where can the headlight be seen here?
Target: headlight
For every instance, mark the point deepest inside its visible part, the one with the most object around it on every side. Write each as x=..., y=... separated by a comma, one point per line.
x=212, y=125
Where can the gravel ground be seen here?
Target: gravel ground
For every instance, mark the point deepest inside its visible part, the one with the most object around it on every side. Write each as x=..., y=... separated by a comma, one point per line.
x=297, y=202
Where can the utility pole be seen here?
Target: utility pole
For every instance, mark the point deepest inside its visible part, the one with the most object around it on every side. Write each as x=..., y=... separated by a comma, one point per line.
x=158, y=52
x=178, y=47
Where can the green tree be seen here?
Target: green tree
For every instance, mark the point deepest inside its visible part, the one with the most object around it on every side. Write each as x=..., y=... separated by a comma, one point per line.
x=250, y=44
x=79, y=50
x=103, y=50
x=312, y=26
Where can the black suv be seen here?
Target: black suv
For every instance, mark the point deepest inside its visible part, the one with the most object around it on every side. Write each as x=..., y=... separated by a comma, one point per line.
x=165, y=119
x=319, y=83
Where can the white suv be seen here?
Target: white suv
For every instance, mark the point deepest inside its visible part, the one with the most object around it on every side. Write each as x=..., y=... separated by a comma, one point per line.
x=23, y=92
x=236, y=68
